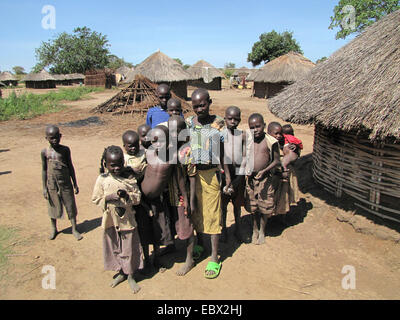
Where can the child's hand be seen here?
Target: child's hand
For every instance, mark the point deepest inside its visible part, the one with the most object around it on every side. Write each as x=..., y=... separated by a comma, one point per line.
x=76, y=189
x=112, y=197
x=46, y=194
x=122, y=194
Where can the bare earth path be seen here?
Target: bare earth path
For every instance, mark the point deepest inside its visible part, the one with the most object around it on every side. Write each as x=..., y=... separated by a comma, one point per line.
x=302, y=261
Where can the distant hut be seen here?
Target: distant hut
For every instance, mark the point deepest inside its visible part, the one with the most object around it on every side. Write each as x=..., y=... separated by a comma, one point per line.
x=7, y=79
x=100, y=78
x=122, y=72
x=61, y=79
x=274, y=76
x=76, y=78
x=353, y=98
x=41, y=80
x=205, y=76
x=160, y=68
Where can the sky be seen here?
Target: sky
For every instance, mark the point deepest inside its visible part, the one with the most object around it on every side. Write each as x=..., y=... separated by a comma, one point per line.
x=217, y=31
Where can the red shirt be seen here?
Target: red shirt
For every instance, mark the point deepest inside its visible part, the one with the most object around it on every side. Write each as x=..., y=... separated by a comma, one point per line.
x=292, y=139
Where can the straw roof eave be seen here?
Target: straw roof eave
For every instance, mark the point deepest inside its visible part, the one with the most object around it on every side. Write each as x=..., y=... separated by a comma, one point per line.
x=41, y=76
x=7, y=76
x=357, y=88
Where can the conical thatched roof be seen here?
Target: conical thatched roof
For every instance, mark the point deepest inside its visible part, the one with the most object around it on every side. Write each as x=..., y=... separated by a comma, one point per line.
x=243, y=71
x=7, y=76
x=123, y=70
x=41, y=76
x=159, y=67
x=356, y=88
x=287, y=68
x=202, y=70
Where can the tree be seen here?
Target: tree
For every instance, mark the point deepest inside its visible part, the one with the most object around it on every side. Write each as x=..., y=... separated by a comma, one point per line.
x=115, y=62
x=229, y=65
x=18, y=70
x=271, y=46
x=353, y=16
x=321, y=59
x=179, y=61
x=74, y=53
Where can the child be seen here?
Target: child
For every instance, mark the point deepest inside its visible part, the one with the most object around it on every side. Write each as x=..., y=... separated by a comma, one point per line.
x=287, y=188
x=158, y=114
x=135, y=158
x=174, y=107
x=205, y=193
x=178, y=186
x=234, y=151
x=57, y=173
x=154, y=184
x=115, y=192
x=262, y=156
x=143, y=130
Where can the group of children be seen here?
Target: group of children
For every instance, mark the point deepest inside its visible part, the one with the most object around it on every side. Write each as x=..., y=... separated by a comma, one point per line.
x=176, y=176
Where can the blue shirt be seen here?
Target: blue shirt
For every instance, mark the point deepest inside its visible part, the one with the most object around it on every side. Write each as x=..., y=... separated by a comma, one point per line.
x=155, y=116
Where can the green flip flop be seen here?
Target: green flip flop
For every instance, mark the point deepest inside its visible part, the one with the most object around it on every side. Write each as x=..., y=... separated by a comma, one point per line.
x=197, y=252
x=213, y=266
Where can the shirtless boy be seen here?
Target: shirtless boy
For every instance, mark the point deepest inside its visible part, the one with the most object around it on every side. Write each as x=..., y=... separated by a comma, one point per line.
x=234, y=151
x=57, y=173
x=143, y=130
x=262, y=157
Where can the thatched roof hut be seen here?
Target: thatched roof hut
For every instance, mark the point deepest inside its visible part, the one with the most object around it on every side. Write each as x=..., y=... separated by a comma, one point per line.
x=278, y=73
x=41, y=80
x=160, y=68
x=205, y=76
x=353, y=98
x=8, y=79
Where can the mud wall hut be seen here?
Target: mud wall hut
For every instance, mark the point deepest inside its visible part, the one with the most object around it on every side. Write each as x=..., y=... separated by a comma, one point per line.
x=353, y=99
x=100, y=78
x=274, y=76
x=159, y=68
x=41, y=80
x=205, y=76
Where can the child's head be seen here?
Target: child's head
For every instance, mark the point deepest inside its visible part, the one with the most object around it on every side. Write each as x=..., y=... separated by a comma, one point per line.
x=232, y=117
x=113, y=160
x=256, y=123
x=163, y=93
x=130, y=140
x=143, y=130
x=287, y=129
x=275, y=130
x=159, y=138
x=53, y=135
x=174, y=107
x=201, y=103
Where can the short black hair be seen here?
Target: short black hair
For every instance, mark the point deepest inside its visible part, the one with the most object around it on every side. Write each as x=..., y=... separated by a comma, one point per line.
x=273, y=125
x=256, y=116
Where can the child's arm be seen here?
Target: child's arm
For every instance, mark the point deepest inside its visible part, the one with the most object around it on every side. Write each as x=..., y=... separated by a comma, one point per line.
x=275, y=150
x=72, y=171
x=44, y=174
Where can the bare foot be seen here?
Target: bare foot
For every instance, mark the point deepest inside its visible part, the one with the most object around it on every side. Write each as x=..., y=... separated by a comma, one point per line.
x=53, y=234
x=120, y=278
x=185, y=268
x=132, y=283
x=77, y=235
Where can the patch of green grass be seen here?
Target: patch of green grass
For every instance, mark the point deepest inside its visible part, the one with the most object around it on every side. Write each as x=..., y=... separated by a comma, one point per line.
x=29, y=105
x=7, y=236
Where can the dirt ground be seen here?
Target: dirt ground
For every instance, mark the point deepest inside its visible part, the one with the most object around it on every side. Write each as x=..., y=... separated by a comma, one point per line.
x=301, y=261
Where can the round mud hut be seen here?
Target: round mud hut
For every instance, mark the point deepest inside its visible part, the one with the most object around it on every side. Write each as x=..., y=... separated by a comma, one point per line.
x=205, y=76
x=353, y=99
x=275, y=75
x=7, y=79
x=41, y=80
x=159, y=68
